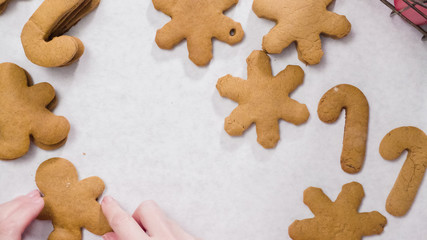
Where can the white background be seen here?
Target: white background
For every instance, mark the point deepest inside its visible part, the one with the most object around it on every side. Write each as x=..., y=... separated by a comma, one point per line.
x=150, y=123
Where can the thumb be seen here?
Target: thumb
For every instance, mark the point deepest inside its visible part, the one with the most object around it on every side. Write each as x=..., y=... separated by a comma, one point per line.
x=16, y=215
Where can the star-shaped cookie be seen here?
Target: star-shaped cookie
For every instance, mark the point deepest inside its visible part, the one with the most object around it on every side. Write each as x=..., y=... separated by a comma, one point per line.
x=263, y=99
x=300, y=21
x=339, y=220
x=198, y=21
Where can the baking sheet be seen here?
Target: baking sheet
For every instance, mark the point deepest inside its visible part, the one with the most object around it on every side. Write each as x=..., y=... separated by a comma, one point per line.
x=150, y=123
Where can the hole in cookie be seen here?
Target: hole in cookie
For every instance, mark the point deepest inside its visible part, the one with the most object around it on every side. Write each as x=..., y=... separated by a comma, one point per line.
x=232, y=32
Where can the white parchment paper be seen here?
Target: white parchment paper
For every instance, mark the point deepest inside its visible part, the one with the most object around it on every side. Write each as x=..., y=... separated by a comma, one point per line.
x=150, y=123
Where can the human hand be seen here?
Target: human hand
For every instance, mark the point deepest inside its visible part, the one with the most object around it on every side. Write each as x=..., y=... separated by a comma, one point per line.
x=16, y=215
x=148, y=216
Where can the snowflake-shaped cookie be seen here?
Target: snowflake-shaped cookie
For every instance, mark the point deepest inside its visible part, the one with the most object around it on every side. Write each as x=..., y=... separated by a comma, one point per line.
x=198, y=21
x=263, y=99
x=301, y=21
x=339, y=220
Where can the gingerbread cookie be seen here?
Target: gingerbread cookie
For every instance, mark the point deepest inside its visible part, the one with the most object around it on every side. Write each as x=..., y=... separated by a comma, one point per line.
x=3, y=5
x=70, y=204
x=263, y=99
x=337, y=220
x=41, y=36
x=405, y=188
x=302, y=22
x=24, y=112
x=351, y=99
x=197, y=21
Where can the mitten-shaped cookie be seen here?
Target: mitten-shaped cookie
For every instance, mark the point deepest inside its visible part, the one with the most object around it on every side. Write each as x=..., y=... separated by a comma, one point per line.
x=350, y=98
x=41, y=36
x=405, y=188
x=24, y=112
x=300, y=21
x=198, y=21
x=263, y=99
x=70, y=204
x=337, y=220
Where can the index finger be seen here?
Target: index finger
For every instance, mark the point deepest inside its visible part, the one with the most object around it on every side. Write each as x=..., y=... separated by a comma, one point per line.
x=125, y=227
x=158, y=226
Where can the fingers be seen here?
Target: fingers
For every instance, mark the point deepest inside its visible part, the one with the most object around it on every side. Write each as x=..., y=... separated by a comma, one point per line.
x=124, y=226
x=16, y=215
x=110, y=236
x=158, y=226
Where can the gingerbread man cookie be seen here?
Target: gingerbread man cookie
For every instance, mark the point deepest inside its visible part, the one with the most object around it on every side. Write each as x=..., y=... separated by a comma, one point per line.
x=337, y=220
x=263, y=99
x=24, y=112
x=408, y=182
x=70, y=204
x=197, y=21
x=41, y=36
x=302, y=22
x=350, y=98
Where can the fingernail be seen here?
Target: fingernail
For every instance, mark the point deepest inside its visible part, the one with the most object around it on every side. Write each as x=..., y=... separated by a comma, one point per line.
x=33, y=194
x=38, y=200
x=106, y=237
x=107, y=199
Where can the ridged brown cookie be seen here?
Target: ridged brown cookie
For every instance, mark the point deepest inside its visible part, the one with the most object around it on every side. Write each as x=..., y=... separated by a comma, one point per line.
x=70, y=204
x=24, y=112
